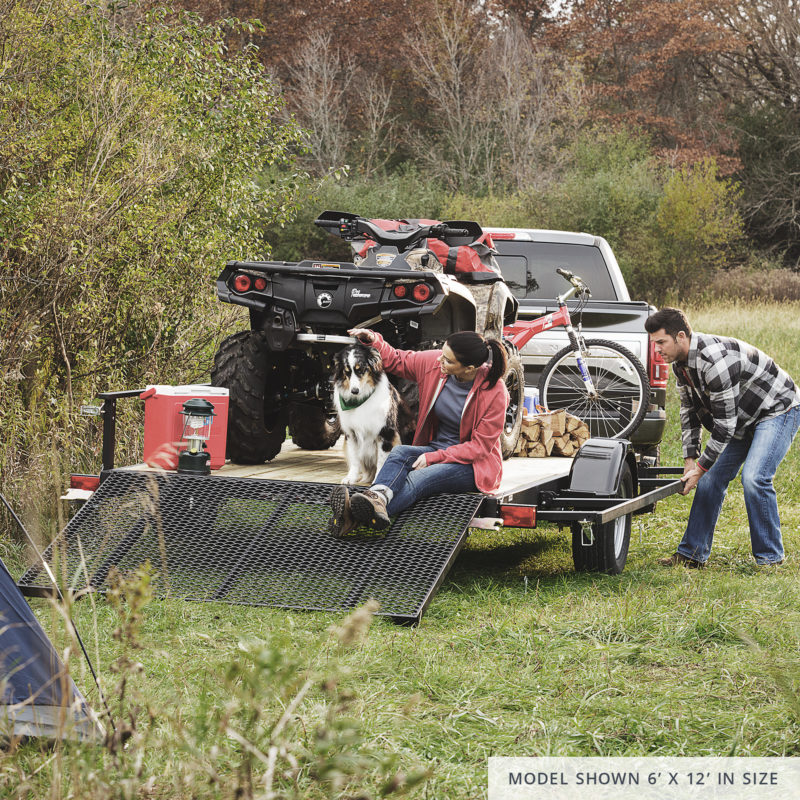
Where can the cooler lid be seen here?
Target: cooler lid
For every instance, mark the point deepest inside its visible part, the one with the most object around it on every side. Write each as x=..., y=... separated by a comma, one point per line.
x=192, y=390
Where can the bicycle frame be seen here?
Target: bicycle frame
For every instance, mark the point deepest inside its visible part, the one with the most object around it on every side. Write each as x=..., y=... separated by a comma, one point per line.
x=520, y=333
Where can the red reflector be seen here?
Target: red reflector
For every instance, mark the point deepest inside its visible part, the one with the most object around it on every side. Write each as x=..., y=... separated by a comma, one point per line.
x=518, y=516
x=260, y=284
x=400, y=290
x=242, y=283
x=88, y=482
x=503, y=235
x=659, y=369
x=422, y=292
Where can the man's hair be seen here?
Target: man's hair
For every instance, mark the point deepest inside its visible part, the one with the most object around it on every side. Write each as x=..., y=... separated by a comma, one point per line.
x=672, y=320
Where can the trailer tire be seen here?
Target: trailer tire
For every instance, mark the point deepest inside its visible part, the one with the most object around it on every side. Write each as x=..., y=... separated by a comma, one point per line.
x=311, y=428
x=609, y=550
x=515, y=383
x=255, y=432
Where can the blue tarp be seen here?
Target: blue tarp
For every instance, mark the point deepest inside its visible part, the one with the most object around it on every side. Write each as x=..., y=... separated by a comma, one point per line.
x=37, y=696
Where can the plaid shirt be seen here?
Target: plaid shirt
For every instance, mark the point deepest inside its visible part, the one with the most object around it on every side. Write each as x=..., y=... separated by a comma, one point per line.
x=728, y=386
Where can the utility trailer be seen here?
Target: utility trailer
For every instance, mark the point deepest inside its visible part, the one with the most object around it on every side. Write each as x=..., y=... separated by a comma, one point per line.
x=257, y=534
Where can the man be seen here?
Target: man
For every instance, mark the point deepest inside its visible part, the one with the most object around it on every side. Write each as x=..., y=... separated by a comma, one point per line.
x=751, y=407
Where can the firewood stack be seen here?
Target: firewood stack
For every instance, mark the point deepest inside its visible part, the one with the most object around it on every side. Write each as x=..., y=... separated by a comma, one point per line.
x=555, y=433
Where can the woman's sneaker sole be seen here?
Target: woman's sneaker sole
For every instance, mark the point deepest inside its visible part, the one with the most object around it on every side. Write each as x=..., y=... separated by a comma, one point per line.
x=364, y=512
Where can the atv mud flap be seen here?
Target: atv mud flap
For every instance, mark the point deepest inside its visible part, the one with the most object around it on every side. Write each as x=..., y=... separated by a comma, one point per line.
x=255, y=542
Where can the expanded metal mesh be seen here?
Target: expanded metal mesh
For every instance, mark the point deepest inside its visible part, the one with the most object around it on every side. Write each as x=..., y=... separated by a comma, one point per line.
x=255, y=542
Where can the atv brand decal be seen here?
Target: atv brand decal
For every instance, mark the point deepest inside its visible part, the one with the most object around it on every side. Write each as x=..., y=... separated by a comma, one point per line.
x=385, y=259
x=320, y=265
x=359, y=293
x=324, y=299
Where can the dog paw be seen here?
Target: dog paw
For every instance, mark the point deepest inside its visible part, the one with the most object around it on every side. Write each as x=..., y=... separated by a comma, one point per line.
x=349, y=480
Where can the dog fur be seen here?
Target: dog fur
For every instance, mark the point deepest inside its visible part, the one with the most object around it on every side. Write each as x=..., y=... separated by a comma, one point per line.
x=374, y=427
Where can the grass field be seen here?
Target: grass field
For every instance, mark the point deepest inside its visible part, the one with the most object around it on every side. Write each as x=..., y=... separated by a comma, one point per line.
x=516, y=656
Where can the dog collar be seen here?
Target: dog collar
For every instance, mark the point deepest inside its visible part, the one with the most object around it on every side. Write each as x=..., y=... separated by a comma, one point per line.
x=345, y=406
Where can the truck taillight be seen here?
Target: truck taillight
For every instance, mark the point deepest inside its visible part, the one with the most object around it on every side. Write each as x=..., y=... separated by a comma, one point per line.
x=659, y=369
x=503, y=235
x=242, y=282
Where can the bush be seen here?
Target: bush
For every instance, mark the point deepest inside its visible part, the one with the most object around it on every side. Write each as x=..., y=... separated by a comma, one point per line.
x=693, y=234
x=128, y=146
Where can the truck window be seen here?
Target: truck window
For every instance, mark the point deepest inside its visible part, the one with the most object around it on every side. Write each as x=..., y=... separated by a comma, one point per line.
x=529, y=268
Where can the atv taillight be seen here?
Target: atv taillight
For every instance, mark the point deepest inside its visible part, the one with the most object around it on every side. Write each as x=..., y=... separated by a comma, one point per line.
x=260, y=284
x=242, y=282
x=400, y=291
x=421, y=292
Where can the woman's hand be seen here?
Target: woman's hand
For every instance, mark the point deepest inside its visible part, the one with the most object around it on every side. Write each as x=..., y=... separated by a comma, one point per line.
x=421, y=462
x=364, y=335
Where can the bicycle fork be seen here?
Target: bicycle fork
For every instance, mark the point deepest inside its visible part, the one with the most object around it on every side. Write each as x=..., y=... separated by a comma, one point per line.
x=591, y=391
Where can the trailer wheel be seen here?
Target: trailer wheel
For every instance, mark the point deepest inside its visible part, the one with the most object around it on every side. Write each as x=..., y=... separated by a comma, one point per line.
x=609, y=549
x=311, y=428
x=255, y=432
x=515, y=383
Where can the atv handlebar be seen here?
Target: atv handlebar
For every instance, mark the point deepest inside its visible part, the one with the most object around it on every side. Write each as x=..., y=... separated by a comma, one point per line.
x=351, y=227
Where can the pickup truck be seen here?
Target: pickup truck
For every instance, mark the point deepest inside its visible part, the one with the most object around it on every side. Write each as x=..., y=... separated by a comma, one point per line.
x=528, y=259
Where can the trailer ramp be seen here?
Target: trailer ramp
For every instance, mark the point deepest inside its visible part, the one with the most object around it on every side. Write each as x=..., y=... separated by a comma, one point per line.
x=255, y=542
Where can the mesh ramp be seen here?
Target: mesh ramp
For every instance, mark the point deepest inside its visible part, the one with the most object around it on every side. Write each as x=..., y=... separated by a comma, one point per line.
x=255, y=542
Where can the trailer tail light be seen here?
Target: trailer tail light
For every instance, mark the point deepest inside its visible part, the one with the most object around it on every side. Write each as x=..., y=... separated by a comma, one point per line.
x=659, y=369
x=242, y=282
x=518, y=516
x=88, y=482
x=260, y=284
x=400, y=291
x=422, y=292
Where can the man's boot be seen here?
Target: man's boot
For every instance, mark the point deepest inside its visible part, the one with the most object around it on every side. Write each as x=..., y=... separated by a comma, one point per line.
x=369, y=508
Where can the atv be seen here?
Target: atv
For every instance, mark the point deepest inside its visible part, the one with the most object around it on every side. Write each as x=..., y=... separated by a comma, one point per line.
x=414, y=281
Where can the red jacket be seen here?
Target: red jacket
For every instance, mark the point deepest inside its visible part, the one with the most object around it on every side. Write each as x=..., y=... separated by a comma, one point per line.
x=481, y=421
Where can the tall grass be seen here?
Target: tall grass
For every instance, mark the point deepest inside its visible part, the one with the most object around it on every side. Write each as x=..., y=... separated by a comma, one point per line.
x=517, y=655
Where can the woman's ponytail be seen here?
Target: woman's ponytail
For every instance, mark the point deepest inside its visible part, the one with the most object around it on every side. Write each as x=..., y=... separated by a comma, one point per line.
x=499, y=362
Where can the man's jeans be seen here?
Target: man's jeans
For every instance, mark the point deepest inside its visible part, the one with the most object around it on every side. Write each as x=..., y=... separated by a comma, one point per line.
x=408, y=485
x=760, y=452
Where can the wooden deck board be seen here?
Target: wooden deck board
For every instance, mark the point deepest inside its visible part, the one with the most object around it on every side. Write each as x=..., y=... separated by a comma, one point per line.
x=329, y=466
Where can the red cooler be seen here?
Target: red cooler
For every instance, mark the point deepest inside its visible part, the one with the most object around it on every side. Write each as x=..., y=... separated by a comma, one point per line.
x=163, y=423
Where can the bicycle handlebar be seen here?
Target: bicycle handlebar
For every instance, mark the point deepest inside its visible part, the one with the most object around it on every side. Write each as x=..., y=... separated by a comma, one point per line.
x=575, y=280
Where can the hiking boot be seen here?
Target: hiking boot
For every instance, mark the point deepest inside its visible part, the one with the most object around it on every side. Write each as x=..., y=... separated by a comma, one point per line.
x=342, y=522
x=771, y=563
x=369, y=508
x=678, y=559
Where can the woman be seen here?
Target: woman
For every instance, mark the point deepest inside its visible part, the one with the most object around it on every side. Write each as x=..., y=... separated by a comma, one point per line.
x=456, y=447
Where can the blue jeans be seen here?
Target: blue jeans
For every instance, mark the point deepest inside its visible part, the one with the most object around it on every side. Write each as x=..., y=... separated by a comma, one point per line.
x=409, y=485
x=761, y=451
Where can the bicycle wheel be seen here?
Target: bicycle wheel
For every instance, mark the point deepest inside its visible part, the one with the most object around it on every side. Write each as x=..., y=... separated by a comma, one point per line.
x=622, y=391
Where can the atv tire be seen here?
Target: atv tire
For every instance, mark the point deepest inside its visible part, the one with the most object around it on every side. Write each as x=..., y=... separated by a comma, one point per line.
x=515, y=383
x=311, y=428
x=255, y=432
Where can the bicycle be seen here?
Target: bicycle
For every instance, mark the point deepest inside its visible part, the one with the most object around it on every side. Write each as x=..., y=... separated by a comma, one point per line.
x=596, y=380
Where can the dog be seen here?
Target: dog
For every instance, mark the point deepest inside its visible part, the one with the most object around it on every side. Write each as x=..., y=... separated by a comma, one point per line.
x=373, y=416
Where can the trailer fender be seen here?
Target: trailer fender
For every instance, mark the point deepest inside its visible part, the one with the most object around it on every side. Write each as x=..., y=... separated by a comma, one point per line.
x=597, y=467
